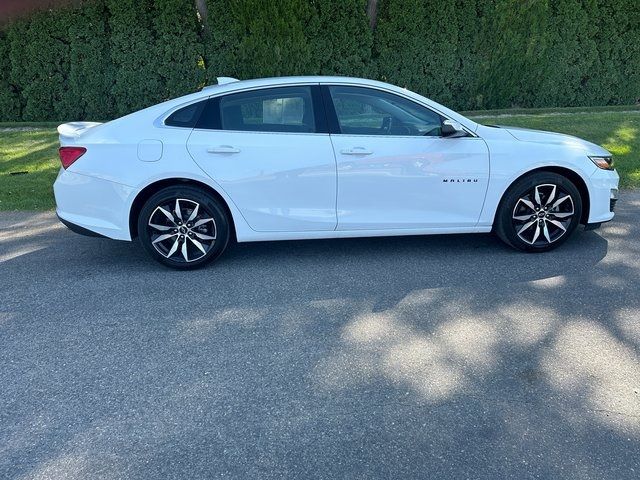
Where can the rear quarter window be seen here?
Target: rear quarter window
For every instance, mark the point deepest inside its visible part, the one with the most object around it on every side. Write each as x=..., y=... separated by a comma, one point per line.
x=187, y=116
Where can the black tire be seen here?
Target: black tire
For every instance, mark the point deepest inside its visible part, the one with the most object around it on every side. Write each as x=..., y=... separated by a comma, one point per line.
x=191, y=241
x=522, y=221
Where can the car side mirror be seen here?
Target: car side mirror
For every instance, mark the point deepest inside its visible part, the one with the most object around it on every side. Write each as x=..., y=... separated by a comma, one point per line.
x=452, y=129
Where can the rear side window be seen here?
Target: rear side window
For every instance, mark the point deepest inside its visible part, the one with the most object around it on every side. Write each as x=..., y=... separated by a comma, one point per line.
x=282, y=109
x=186, y=116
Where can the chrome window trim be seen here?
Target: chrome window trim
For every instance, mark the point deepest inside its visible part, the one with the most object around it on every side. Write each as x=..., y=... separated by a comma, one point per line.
x=161, y=119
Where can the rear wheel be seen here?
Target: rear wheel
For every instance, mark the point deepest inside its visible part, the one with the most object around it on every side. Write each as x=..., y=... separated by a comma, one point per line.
x=183, y=227
x=539, y=212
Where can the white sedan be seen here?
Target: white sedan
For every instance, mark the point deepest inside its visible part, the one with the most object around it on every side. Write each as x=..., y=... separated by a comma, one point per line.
x=321, y=157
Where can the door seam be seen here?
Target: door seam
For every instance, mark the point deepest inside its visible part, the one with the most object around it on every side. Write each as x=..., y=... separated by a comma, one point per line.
x=335, y=162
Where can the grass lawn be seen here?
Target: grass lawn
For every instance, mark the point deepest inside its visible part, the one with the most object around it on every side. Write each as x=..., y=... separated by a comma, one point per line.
x=34, y=149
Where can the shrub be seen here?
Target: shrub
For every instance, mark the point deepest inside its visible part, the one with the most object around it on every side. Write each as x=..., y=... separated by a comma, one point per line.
x=9, y=95
x=416, y=46
x=573, y=54
x=137, y=81
x=406, y=70
x=98, y=59
x=90, y=69
x=617, y=36
x=514, y=44
x=39, y=58
x=252, y=38
x=178, y=48
x=342, y=42
x=468, y=60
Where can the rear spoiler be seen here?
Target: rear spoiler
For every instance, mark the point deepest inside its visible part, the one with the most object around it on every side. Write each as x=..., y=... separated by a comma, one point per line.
x=69, y=132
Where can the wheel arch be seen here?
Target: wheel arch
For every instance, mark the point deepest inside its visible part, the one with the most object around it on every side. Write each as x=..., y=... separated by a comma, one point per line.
x=571, y=175
x=158, y=185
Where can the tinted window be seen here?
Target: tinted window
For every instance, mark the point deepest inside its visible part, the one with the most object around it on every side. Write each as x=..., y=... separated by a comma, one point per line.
x=210, y=116
x=185, y=117
x=284, y=109
x=365, y=111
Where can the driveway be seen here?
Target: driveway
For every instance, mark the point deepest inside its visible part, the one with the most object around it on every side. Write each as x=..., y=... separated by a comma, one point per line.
x=416, y=357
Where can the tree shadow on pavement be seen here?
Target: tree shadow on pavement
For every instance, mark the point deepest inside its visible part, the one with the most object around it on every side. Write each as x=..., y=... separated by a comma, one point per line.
x=416, y=357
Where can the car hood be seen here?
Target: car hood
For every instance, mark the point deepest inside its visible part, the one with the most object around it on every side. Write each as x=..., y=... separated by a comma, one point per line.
x=539, y=136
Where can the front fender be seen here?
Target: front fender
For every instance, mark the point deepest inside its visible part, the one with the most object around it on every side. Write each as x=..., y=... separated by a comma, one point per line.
x=510, y=161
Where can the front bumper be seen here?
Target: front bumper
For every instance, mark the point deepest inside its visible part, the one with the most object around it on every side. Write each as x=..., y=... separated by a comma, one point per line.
x=603, y=193
x=93, y=204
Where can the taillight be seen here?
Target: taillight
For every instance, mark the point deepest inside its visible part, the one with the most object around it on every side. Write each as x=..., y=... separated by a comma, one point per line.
x=68, y=155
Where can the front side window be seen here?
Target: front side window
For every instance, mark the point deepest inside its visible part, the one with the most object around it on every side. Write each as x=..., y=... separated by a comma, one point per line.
x=366, y=111
x=283, y=109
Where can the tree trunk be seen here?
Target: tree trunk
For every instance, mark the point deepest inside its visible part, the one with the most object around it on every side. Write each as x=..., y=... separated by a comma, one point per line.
x=372, y=13
x=201, y=7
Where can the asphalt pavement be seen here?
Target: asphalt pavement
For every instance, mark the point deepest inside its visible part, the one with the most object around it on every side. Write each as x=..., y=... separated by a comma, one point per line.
x=417, y=357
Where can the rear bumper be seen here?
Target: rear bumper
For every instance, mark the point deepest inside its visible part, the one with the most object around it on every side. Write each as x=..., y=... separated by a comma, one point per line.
x=78, y=229
x=94, y=205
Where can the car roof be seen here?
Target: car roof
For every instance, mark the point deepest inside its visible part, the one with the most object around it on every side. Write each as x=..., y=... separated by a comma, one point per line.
x=231, y=84
x=294, y=79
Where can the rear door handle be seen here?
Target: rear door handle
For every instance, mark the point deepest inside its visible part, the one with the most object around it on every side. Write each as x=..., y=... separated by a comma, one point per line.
x=223, y=149
x=356, y=151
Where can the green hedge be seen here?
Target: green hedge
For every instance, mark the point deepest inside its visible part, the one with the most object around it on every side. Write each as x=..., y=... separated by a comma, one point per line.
x=9, y=98
x=91, y=73
x=104, y=58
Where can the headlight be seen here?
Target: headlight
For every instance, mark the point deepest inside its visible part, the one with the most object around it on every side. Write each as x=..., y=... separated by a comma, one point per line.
x=605, y=163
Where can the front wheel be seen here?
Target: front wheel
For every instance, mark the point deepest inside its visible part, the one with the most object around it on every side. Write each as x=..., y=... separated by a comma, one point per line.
x=183, y=227
x=539, y=212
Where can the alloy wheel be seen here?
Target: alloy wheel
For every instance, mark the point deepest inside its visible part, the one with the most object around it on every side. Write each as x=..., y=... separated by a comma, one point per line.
x=543, y=215
x=182, y=230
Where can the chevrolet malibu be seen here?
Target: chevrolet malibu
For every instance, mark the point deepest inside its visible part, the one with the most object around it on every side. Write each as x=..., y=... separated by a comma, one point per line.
x=321, y=157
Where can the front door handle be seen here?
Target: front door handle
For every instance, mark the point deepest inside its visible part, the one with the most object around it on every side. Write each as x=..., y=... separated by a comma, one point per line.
x=223, y=149
x=356, y=151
